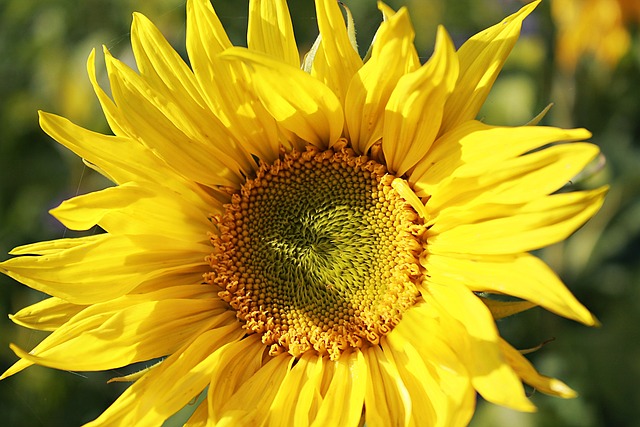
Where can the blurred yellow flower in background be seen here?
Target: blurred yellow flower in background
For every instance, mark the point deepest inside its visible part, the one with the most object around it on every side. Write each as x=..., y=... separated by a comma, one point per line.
x=593, y=27
x=316, y=242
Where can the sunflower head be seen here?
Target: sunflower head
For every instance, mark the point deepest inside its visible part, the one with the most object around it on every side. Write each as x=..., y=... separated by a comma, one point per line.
x=308, y=242
x=318, y=252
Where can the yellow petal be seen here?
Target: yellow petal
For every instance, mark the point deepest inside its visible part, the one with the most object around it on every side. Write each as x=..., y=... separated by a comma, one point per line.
x=426, y=395
x=124, y=160
x=481, y=59
x=298, y=102
x=529, y=375
x=236, y=107
x=450, y=392
x=336, y=60
x=270, y=31
x=502, y=309
x=233, y=365
x=512, y=229
x=135, y=376
x=393, y=56
x=170, y=386
x=165, y=71
x=477, y=343
x=200, y=416
x=523, y=276
x=407, y=193
x=54, y=246
x=104, y=267
x=163, y=68
x=144, y=113
x=342, y=403
x=126, y=330
x=84, y=212
x=299, y=408
x=206, y=38
x=46, y=315
x=414, y=111
x=131, y=209
x=203, y=153
x=117, y=122
x=387, y=399
x=250, y=404
x=516, y=180
x=121, y=159
x=473, y=148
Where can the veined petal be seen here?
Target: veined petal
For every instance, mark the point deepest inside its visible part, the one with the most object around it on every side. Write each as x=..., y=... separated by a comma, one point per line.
x=172, y=278
x=477, y=342
x=163, y=68
x=206, y=38
x=327, y=392
x=145, y=115
x=336, y=60
x=393, y=56
x=481, y=59
x=474, y=148
x=101, y=268
x=414, y=111
x=421, y=328
x=165, y=71
x=270, y=31
x=46, y=315
x=233, y=365
x=387, y=399
x=121, y=159
x=426, y=395
x=200, y=416
x=523, y=276
x=298, y=102
x=512, y=229
x=54, y=246
x=170, y=386
x=208, y=155
x=121, y=332
x=116, y=121
x=516, y=180
x=226, y=95
x=131, y=209
x=343, y=400
x=299, y=408
x=502, y=309
x=529, y=375
x=236, y=107
x=250, y=404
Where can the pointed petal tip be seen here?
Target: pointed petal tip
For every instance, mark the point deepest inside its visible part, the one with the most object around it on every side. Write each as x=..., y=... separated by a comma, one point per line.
x=527, y=9
x=562, y=389
x=593, y=322
x=19, y=365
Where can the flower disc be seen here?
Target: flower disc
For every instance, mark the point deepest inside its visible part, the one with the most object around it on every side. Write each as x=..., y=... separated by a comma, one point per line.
x=318, y=252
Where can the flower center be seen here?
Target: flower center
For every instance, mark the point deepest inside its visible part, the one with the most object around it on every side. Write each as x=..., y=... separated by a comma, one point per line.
x=318, y=252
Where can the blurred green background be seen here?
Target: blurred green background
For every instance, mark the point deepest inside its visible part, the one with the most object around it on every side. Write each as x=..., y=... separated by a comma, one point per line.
x=43, y=51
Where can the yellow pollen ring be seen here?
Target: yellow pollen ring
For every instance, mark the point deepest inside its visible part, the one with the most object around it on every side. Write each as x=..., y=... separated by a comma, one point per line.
x=318, y=253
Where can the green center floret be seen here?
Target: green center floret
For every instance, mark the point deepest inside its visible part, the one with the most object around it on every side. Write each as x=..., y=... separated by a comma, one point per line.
x=318, y=252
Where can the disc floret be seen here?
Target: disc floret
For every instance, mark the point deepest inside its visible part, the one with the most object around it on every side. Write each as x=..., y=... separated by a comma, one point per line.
x=318, y=252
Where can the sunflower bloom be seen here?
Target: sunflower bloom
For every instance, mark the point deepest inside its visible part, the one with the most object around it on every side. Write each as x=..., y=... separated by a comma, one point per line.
x=307, y=242
x=593, y=27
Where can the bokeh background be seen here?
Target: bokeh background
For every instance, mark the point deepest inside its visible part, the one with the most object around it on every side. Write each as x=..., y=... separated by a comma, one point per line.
x=581, y=55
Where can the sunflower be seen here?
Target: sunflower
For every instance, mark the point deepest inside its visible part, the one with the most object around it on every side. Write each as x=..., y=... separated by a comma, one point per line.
x=599, y=28
x=307, y=242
